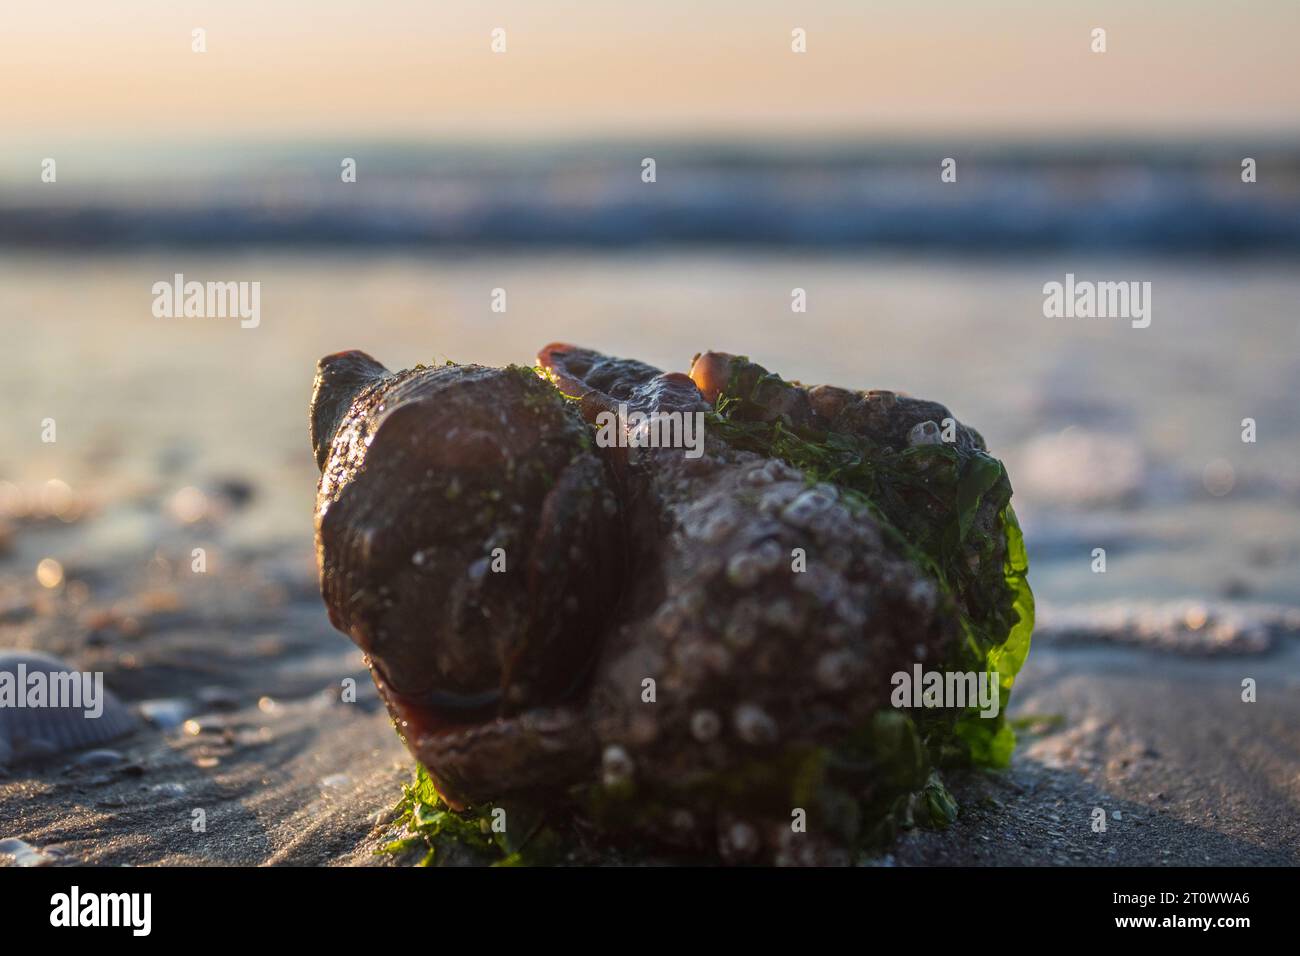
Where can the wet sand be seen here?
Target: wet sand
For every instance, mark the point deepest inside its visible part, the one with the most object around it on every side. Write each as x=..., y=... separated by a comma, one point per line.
x=285, y=772
x=1187, y=774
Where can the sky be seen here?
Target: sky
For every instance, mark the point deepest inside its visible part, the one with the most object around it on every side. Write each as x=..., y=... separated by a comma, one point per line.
x=87, y=69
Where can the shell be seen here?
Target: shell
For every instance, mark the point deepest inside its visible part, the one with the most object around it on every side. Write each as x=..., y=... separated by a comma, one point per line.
x=28, y=733
x=468, y=538
x=634, y=565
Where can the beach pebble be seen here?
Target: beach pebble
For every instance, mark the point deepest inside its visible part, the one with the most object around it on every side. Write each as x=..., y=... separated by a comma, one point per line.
x=237, y=491
x=17, y=852
x=166, y=713
x=168, y=789
x=99, y=759
x=219, y=698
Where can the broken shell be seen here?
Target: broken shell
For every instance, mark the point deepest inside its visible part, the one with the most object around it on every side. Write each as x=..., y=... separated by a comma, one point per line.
x=30, y=731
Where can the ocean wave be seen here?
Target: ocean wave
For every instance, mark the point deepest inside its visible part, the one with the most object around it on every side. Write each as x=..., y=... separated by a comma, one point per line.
x=1000, y=203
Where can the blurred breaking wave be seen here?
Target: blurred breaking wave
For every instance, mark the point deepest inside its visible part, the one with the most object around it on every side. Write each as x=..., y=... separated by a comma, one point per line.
x=1007, y=198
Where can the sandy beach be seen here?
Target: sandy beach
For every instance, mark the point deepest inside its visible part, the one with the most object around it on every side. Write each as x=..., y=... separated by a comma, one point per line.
x=253, y=733
x=183, y=436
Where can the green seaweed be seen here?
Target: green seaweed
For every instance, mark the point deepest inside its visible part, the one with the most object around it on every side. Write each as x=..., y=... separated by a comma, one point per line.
x=439, y=834
x=886, y=771
x=928, y=500
x=874, y=783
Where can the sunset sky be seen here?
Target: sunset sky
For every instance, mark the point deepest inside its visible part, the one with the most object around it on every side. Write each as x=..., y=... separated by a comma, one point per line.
x=87, y=69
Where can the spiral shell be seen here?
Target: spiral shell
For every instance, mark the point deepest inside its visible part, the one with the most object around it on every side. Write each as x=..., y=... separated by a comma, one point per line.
x=468, y=538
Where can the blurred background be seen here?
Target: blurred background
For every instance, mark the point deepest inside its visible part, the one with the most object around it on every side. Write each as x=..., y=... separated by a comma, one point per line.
x=775, y=170
x=136, y=451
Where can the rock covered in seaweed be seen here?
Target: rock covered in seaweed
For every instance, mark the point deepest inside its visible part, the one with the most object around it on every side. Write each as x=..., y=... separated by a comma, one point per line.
x=928, y=476
x=742, y=609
